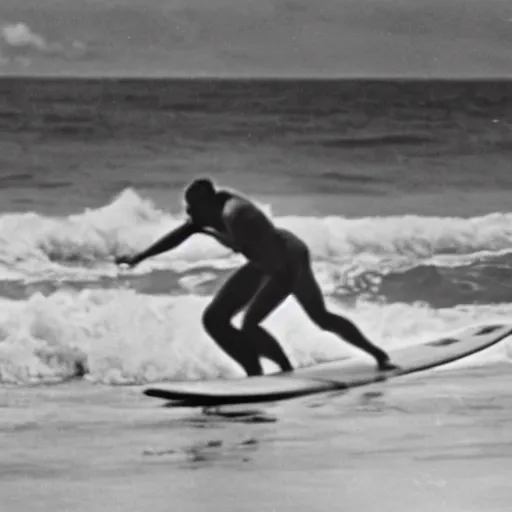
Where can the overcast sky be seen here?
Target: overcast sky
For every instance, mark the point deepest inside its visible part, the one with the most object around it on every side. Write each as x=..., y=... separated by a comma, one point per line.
x=313, y=38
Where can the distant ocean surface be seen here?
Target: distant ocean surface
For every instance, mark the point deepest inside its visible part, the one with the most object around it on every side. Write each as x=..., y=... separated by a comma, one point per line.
x=401, y=189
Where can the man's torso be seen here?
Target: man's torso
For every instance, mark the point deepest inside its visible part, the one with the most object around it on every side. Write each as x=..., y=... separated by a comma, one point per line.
x=245, y=229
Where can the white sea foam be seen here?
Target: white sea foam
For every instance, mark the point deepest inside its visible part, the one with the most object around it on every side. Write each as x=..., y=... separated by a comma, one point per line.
x=84, y=245
x=125, y=337
x=122, y=336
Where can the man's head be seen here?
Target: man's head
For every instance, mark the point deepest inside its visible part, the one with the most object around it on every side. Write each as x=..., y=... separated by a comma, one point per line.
x=200, y=198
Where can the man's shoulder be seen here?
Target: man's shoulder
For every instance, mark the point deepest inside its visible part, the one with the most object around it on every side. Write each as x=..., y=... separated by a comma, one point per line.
x=228, y=195
x=244, y=213
x=233, y=202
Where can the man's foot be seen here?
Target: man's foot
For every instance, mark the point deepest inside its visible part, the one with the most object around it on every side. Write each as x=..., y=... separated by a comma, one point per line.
x=384, y=364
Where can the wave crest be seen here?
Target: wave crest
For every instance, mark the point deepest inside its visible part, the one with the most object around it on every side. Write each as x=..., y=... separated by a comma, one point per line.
x=86, y=243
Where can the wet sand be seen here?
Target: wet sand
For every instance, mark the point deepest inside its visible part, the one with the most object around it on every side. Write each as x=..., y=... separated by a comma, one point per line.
x=439, y=441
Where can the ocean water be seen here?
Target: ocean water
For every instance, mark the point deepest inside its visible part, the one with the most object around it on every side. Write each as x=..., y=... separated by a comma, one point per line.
x=401, y=190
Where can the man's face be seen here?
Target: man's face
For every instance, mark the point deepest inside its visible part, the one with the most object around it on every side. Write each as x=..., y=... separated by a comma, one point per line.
x=201, y=209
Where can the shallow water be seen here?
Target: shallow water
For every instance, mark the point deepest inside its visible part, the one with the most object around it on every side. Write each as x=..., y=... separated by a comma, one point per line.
x=438, y=442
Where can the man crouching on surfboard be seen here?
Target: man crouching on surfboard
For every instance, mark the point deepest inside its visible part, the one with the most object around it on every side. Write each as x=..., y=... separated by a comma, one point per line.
x=278, y=266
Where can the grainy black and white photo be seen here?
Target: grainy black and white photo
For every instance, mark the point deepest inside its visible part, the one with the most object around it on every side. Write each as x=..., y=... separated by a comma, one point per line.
x=255, y=255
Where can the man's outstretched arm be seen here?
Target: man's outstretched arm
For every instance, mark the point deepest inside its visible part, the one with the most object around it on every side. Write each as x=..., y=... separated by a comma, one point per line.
x=164, y=244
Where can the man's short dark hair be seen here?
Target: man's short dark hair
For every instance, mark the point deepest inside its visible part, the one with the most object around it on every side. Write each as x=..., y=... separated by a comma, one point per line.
x=199, y=189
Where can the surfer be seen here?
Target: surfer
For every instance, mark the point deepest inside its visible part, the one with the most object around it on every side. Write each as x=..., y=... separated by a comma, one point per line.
x=278, y=266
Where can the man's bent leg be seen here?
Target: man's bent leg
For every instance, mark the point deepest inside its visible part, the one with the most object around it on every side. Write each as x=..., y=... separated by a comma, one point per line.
x=231, y=299
x=271, y=294
x=310, y=297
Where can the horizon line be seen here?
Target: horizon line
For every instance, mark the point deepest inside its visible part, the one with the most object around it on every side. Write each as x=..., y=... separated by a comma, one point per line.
x=260, y=77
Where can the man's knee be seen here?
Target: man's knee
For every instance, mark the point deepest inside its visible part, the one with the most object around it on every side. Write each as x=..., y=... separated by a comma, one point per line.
x=214, y=322
x=322, y=318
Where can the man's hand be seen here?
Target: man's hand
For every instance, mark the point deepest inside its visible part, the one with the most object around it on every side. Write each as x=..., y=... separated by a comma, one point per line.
x=131, y=261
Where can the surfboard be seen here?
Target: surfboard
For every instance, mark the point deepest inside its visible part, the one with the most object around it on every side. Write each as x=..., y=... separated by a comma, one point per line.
x=336, y=375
